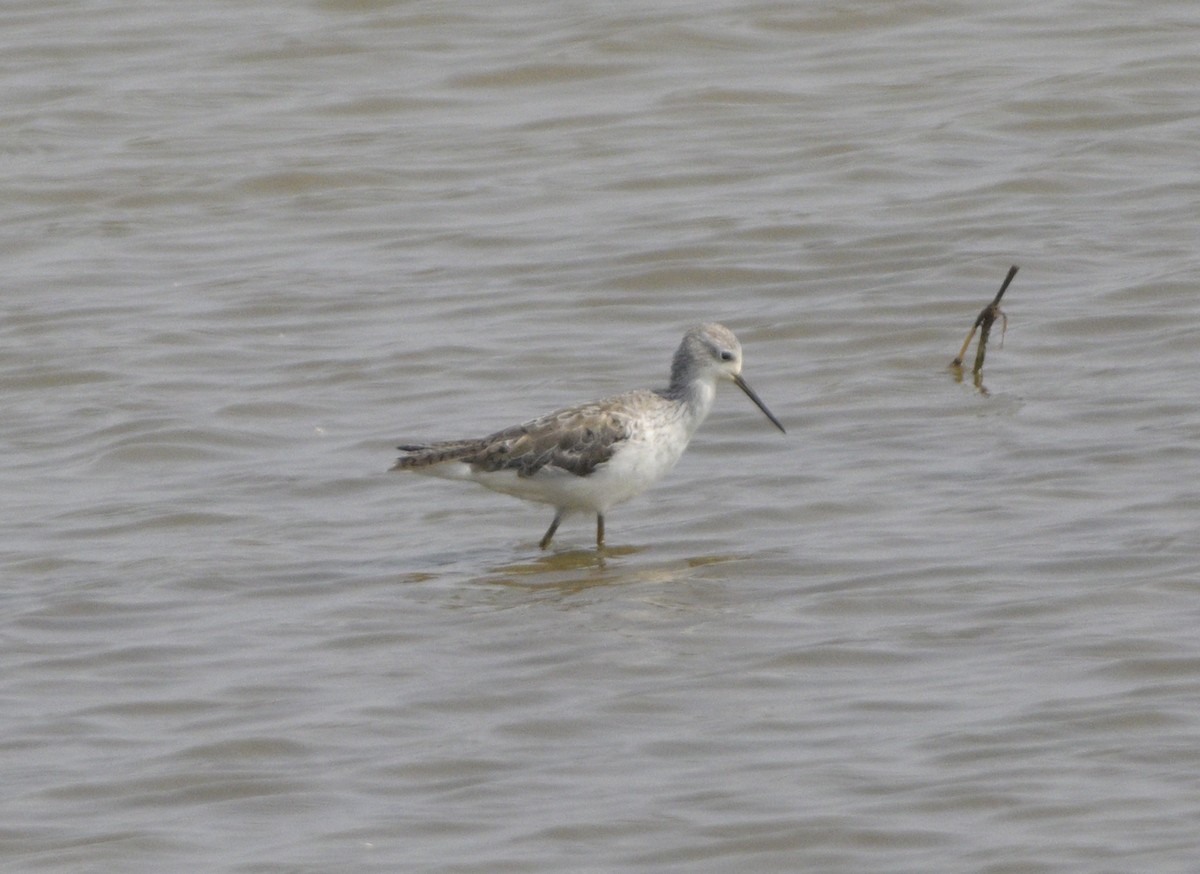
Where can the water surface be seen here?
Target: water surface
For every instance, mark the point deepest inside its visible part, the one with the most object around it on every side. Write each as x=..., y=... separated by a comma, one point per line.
x=931, y=629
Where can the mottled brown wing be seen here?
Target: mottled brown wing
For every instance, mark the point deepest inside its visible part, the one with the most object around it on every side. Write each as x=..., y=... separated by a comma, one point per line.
x=576, y=440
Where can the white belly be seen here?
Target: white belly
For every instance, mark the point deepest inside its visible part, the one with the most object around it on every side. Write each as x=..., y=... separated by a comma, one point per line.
x=638, y=464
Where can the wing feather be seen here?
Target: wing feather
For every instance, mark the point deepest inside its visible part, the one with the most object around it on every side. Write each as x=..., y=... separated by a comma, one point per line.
x=575, y=439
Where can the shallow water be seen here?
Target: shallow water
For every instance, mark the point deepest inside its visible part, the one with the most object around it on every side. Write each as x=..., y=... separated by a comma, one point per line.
x=934, y=628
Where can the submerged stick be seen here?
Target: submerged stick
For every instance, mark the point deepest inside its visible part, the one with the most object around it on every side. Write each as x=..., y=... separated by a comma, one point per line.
x=983, y=324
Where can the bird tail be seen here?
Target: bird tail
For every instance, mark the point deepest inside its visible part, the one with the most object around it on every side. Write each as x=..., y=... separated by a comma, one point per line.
x=428, y=454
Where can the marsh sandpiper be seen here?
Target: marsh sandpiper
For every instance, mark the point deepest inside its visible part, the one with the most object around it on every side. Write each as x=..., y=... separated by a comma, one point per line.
x=591, y=457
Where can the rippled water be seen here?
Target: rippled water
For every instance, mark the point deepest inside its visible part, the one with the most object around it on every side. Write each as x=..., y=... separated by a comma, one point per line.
x=934, y=628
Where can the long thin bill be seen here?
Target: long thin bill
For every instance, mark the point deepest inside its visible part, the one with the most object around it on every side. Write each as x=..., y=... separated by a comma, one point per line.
x=744, y=386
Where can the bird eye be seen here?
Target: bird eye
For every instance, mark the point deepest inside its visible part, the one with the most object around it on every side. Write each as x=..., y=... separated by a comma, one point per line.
x=726, y=355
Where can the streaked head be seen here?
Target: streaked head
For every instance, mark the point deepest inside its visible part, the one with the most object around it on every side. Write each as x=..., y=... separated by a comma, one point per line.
x=713, y=348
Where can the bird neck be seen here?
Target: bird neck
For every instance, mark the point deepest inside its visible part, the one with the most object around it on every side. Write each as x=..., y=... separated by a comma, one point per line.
x=697, y=395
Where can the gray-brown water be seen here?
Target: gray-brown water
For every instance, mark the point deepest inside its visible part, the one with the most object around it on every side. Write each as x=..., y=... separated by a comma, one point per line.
x=250, y=247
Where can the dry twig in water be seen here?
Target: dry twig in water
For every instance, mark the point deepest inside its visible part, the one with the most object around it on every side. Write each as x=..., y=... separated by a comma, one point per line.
x=983, y=324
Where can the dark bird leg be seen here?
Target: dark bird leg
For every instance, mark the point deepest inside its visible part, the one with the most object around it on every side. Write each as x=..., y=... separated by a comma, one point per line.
x=599, y=531
x=558, y=515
